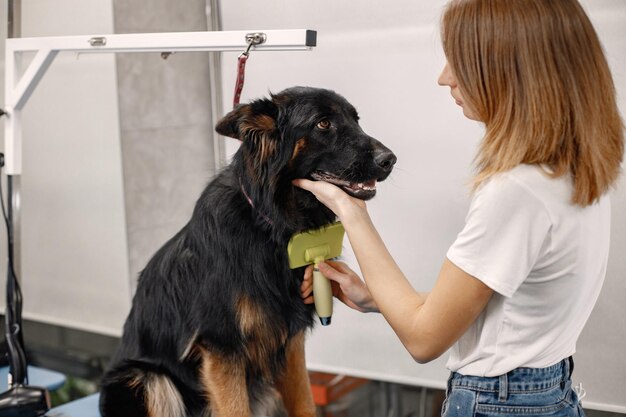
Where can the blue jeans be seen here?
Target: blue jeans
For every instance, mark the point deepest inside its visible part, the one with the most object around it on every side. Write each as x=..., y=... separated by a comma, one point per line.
x=521, y=392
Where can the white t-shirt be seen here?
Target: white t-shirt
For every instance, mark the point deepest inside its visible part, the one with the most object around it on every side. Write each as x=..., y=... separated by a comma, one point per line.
x=546, y=261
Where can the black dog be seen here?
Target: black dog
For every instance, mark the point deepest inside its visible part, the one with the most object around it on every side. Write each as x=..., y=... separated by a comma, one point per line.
x=217, y=323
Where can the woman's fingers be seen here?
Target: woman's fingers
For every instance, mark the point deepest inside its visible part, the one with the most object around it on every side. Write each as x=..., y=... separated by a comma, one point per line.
x=346, y=285
x=341, y=267
x=319, y=188
x=333, y=271
x=305, y=291
x=306, y=288
x=333, y=274
x=304, y=184
x=328, y=194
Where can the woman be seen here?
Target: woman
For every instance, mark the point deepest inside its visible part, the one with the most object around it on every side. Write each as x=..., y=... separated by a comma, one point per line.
x=521, y=279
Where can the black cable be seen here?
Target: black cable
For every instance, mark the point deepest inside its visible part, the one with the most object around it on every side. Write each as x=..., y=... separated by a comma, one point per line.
x=11, y=245
x=17, y=292
x=13, y=315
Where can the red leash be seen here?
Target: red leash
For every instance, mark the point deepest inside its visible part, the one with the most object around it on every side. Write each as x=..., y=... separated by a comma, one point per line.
x=241, y=72
x=253, y=39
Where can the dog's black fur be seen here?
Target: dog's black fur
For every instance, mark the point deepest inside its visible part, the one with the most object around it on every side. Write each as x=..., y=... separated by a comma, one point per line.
x=187, y=318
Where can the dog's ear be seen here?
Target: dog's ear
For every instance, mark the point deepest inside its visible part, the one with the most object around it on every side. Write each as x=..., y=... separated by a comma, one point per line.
x=229, y=124
x=260, y=115
x=255, y=124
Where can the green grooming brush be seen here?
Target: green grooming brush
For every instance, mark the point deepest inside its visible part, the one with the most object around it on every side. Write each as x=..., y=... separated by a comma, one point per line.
x=313, y=247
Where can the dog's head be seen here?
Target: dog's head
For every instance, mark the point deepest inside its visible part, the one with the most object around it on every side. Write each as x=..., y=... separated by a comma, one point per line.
x=304, y=132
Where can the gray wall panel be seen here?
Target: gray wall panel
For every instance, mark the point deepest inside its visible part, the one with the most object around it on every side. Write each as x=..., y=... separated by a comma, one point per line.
x=166, y=126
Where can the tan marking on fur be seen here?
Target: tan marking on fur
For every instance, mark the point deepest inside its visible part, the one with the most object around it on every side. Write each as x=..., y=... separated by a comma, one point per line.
x=224, y=381
x=261, y=343
x=268, y=147
x=249, y=315
x=264, y=147
x=258, y=130
x=162, y=399
x=135, y=382
x=265, y=122
x=294, y=384
x=300, y=144
x=189, y=350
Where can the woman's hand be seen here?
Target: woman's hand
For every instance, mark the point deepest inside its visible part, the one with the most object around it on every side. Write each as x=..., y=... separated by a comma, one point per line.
x=333, y=197
x=346, y=285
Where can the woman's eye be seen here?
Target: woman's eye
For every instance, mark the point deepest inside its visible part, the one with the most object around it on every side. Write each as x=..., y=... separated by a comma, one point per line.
x=323, y=125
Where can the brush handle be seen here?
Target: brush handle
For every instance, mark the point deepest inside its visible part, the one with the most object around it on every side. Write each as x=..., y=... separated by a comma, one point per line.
x=323, y=295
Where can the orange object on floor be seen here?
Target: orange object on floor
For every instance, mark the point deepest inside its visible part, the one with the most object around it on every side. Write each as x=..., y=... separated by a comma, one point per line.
x=328, y=388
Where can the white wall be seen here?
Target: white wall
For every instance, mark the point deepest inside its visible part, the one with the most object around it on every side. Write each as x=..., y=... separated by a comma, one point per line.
x=74, y=254
x=385, y=58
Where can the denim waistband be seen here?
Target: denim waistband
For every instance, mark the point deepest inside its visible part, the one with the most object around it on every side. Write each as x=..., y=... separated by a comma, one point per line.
x=517, y=380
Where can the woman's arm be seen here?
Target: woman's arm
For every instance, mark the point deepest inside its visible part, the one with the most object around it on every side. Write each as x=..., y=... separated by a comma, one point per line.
x=426, y=326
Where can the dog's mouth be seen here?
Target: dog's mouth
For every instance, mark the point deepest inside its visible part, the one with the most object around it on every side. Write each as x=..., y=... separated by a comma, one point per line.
x=362, y=190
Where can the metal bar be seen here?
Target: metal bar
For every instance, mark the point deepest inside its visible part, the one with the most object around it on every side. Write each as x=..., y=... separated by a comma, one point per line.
x=31, y=78
x=17, y=93
x=12, y=122
x=214, y=22
x=277, y=40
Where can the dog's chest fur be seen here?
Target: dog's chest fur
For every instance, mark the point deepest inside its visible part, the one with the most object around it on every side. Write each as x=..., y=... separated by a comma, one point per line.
x=221, y=282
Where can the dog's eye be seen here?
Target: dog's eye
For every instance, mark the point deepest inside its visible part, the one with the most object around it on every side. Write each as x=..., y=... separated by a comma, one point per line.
x=323, y=125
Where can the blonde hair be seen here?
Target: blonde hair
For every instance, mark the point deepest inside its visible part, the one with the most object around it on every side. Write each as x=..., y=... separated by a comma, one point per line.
x=535, y=73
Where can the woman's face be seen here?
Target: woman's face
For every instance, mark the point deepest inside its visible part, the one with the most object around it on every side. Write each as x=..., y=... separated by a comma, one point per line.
x=447, y=78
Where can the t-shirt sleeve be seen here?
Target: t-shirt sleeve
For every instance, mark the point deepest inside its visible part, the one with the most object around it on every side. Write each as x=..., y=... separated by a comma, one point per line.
x=505, y=230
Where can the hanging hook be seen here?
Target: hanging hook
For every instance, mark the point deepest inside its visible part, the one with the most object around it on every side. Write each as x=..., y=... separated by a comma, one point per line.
x=253, y=39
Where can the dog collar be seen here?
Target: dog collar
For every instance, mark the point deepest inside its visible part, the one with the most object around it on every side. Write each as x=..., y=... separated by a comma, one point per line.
x=263, y=215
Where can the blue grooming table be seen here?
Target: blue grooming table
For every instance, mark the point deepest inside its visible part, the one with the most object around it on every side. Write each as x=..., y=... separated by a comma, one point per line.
x=85, y=407
x=38, y=377
x=51, y=380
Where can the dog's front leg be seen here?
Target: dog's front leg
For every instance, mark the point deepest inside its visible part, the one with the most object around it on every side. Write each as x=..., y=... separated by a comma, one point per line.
x=294, y=384
x=224, y=380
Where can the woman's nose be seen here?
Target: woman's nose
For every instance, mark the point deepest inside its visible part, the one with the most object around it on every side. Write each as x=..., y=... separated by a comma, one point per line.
x=446, y=78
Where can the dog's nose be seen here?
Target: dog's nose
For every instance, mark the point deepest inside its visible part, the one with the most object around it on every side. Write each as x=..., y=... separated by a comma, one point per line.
x=385, y=159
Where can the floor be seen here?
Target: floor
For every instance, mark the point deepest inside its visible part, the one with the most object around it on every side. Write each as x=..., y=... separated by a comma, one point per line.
x=377, y=399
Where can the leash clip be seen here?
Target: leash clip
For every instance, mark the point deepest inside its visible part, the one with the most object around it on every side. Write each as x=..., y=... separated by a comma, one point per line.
x=253, y=39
